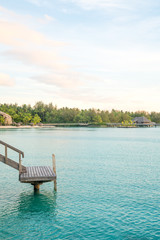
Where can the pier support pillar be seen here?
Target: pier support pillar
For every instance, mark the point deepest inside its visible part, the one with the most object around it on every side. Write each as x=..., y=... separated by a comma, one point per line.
x=36, y=187
x=54, y=170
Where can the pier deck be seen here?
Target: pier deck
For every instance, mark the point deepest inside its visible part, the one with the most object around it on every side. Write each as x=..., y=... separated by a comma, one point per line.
x=37, y=174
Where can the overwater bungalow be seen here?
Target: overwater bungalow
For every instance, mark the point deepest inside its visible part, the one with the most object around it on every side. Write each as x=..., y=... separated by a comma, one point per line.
x=143, y=122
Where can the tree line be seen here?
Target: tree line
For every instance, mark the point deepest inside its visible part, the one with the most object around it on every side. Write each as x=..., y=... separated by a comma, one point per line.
x=49, y=113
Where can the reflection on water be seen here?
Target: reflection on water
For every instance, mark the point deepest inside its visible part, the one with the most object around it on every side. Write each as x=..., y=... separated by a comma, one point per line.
x=29, y=215
x=37, y=203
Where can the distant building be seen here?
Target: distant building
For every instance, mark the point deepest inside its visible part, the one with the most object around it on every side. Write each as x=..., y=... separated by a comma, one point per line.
x=143, y=122
x=7, y=118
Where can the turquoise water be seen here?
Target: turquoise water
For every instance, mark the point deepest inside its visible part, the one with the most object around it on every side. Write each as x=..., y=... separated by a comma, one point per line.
x=108, y=185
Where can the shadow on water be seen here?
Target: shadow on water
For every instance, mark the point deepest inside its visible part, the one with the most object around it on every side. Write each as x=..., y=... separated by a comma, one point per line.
x=37, y=203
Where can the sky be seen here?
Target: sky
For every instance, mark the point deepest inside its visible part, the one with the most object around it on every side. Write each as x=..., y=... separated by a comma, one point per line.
x=81, y=53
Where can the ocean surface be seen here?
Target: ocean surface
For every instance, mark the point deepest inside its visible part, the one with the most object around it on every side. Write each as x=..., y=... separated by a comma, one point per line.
x=108, y=185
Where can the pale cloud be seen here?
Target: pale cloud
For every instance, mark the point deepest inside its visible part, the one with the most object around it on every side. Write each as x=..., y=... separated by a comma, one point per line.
x=5, y=12
x=38, y=2
x=19, y=35
x=46, y=19
x=131, y=60
x=6, y=80
x=87, y=4
x=102, y=4
x=45, y=59
x=49, y=18
x=66, y=80
x=15, y=33
x=125, y=98
x=69, y=80
x=7, y=15
x=106, y=65
x=34, y=49
x=109, y=5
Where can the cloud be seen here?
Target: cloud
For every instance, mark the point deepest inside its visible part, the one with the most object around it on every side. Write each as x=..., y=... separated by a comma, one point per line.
x=102, y=4
x=113, y=4
x=49, y=18
x=19, y=35
x=6, y=80
x=69, y=80
x=38, y=2
x=46, y=19
x=34, y=49
x=87, y=4
x=66, y=80
x=44, y=59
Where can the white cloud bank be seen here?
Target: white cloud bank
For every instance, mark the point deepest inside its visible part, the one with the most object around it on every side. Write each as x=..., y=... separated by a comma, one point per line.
x=107, y=63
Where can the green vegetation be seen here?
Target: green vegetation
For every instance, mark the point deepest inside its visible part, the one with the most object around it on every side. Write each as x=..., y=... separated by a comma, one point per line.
x=1, y=120
x=127, y=123
x=48, y=113
x=36, y=119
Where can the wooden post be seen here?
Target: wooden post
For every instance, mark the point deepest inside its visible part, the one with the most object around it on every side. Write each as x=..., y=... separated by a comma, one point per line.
x=36, y=187
x=54, y=170
x=20, y=164
x=5, y=154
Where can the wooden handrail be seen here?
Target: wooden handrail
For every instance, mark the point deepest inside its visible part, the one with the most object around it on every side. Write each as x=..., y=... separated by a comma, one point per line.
x=16, y=150
x=13, y=148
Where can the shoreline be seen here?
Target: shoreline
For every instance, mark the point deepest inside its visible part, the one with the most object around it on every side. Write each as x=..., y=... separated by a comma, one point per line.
x=69, y=126
x=27, y=126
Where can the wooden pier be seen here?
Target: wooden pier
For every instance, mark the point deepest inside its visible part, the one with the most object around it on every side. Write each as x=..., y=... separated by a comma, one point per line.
x=35, y=175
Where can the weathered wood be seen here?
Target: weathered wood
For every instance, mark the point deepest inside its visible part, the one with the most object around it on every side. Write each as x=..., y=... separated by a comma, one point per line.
x=54, y=163
x=37, y=174
x=13, y=148
x=54, y=170
x=6, y=154
x=11, y=163
x=20, y=163
x=34, y=175
x=36, y=187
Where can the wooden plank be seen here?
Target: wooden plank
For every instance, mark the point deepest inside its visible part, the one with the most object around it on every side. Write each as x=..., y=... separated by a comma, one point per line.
x=20, y=163
x=54, y=163
x=51, y=171
x=11, y=163
x=47, y=172
x=6, y=154
x=54, y=170
x=44, y=171
x=38, y=174
x=38, y=170
x=27, y=171
x=11, y=147
x=33, y=172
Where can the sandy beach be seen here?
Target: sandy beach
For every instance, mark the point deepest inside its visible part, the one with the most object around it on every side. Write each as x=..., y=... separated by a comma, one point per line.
x=27, y=126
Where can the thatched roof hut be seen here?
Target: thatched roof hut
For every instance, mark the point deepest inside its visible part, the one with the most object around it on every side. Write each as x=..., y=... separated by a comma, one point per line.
x=142, y=121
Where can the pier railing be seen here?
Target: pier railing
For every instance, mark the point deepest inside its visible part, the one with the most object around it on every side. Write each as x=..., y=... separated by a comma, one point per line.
x=21, y=154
